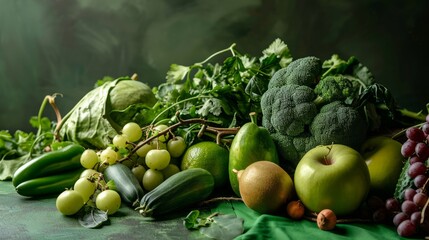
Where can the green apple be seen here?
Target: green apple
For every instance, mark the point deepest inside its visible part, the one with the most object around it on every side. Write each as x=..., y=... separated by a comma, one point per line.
x=332, y=177
x=384, y=159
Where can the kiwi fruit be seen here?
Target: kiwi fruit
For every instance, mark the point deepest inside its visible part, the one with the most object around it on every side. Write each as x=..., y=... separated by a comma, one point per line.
x=264, y=186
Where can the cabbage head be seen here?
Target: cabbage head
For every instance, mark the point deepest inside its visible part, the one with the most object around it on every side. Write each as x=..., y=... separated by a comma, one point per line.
x=103, y=111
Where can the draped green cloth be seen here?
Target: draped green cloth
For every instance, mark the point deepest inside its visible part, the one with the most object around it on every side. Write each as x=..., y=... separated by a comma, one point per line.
x=24, y=218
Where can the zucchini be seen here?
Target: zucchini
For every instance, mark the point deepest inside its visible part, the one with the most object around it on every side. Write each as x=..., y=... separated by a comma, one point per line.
x=46, y=186
x=181, y=190
x=50, y=163
x=126, y=183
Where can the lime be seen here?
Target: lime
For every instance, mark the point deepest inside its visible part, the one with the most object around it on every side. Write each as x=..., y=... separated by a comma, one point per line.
x=209, y=156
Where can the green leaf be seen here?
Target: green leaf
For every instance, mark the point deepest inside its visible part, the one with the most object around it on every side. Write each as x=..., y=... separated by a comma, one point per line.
x=256, y=87
x=92, y=217
x=211, y=106
x=8, y=167
x=177, y=73
x=111, y=185
x=88, y=123
x=190, y=221
x=45, y=123
x=224, y=227
x=104, y=80
x=277, y=48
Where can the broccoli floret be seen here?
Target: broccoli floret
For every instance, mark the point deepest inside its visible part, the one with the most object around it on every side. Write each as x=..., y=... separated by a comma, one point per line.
x=303, y=71
x=292, y=108
x=325, y=126
x=334, y=88
x=296, y=121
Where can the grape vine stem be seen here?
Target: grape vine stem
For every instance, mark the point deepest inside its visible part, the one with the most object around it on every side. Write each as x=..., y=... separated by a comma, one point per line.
x=220, y=132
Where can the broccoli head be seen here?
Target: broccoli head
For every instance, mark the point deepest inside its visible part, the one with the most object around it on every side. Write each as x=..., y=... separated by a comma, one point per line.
x=304, y=71
x=334, y=88
x=292, y=108
x=292, y=113
x=339, y=123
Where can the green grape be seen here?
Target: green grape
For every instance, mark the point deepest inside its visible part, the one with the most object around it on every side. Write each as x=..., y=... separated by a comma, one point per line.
x=109, y=156
x=89, y=159
x=120, y=141
x=151, y=179
x=160, y=128
x=157, y=159
x=85, y=187
x=142, y=151
x=90, y=173
x=69, y=202
x=158, y=144
x=132, y=131
x=108, y=201
x=170, y=170
x=176, y=146
x=139, y=172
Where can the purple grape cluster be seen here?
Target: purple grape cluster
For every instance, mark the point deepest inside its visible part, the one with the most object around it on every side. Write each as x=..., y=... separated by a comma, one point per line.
x=410, y=216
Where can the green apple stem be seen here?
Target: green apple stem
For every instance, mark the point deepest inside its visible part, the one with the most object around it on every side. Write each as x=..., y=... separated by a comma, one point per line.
x=325, y=158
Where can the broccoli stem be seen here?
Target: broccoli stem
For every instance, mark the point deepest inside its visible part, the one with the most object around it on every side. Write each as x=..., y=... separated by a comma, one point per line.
x=419, y=116
x=319, y=101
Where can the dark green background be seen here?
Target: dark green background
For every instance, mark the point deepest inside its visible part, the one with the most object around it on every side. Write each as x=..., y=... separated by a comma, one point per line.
x=65, y=46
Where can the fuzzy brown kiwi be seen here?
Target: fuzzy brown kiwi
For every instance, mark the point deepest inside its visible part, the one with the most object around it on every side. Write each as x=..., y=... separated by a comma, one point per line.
x=264, y=186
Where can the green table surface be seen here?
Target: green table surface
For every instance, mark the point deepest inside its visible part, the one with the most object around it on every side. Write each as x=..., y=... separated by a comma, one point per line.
x=24, y=218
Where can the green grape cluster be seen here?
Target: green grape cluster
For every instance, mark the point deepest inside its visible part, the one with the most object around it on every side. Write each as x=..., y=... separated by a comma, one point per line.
x=151, y=162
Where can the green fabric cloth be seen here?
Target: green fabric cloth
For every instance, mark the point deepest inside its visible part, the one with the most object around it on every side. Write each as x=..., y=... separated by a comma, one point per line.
x=24, y=218
x=257, y=226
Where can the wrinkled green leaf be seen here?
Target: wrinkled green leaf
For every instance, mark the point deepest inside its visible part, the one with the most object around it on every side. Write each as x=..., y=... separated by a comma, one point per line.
x=224, y=227
x=88, y=122
x=92, y=217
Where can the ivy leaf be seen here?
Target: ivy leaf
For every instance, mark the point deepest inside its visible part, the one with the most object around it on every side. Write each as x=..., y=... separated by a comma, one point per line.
x=193, y=220
x=224, y=227
x=215, y=226
x=92, y=217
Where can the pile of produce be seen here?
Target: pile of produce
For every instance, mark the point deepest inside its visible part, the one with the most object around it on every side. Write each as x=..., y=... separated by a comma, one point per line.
x=304, y=138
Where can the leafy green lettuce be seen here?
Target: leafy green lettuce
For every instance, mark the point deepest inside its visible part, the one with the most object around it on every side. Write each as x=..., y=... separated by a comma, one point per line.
x=96, y=118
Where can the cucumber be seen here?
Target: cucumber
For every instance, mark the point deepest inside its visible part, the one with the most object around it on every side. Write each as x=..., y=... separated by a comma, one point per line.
x=50, y=163
x=181, y=190
x=126, y=183
x=50, y=185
